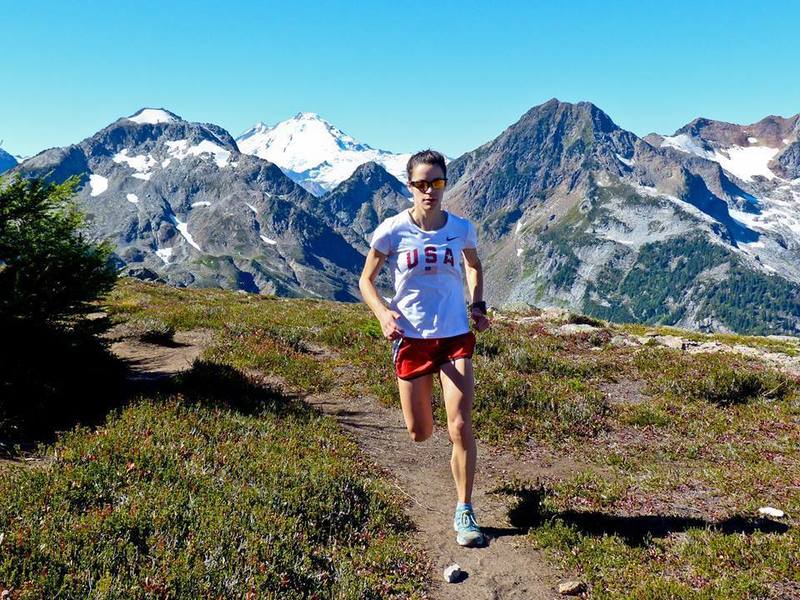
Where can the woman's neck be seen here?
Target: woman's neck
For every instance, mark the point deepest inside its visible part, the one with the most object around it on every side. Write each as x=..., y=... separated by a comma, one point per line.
x=428, y=220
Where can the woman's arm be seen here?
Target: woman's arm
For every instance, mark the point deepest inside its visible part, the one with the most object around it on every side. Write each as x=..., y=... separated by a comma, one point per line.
x=474, y=272
x=366, y=283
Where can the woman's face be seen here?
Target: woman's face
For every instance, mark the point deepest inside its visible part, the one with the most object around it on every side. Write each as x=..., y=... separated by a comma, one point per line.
x=430, y=198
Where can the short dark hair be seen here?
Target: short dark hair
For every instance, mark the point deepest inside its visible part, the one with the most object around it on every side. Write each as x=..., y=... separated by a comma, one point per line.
x=426, y=157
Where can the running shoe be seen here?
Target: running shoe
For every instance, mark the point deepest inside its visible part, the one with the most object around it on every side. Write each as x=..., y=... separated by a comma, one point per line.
x=464, y=524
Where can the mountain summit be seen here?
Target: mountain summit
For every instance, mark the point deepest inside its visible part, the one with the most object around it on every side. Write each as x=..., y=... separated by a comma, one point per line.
x=7, y=161
x=574, y=211
x=314, y=153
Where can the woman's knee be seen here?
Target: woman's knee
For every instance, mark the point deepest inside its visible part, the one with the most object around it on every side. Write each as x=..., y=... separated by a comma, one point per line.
x=459, y=430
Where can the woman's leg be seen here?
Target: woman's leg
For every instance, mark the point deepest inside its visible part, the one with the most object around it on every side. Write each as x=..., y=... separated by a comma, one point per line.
x=415, y=398
x=458, y=389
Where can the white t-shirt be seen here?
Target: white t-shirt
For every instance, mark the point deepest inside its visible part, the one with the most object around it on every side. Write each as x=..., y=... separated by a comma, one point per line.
x=426, y=268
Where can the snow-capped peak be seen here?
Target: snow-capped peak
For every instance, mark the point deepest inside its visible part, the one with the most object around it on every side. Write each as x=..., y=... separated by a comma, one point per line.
x=314, y=153
x=152, y=116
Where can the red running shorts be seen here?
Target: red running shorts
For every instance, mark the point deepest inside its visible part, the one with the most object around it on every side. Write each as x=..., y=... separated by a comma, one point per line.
x=414, y=357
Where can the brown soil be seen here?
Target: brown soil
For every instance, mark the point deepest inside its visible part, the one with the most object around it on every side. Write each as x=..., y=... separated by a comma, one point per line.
x=151, y=361
x=508, y=567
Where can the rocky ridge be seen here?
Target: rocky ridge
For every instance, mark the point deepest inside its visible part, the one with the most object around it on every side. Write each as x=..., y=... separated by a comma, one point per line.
x=574, y=211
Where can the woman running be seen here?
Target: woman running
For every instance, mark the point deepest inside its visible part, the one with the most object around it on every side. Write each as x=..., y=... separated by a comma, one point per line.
x=427, y=319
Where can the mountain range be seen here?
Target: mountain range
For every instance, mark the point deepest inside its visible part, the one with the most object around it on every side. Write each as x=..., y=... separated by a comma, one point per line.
x=182, y=204
x=699, y=229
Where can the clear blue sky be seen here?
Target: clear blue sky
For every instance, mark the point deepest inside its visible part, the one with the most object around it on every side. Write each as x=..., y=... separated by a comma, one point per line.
x=399, y=76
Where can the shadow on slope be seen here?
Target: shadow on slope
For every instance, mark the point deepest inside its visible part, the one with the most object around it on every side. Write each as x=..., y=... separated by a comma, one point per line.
x=54, y=378
x=634, y=530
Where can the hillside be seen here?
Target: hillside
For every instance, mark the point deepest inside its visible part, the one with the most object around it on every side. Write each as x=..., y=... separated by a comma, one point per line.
x=635, y=459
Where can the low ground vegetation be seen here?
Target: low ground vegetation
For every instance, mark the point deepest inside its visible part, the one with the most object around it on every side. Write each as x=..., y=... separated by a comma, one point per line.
x=673, y=453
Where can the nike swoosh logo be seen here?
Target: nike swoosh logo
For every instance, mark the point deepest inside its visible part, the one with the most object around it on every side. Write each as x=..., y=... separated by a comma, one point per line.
x=451, y=238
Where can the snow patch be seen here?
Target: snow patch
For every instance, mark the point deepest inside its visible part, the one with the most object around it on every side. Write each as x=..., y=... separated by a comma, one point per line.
x=183, y=228
x=152, y=116
x=132, y=198
x=180, y=149
x=142, y=162
x=752, y=140
x=251, y=207
x=744, y=163
x=165, y=163
x=164, y=254
x=98, y=183
x=685, y=143
x=142, y=176
x=626, y=161
x=519, y=252
x=747, y=163
x=519, y=226
x=267, y=240
x=201, y=203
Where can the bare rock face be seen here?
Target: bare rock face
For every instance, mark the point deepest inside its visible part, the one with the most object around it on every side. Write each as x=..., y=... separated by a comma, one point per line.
x=787, y=163
x=356, y=206
x=182, y=204
x=575, y=212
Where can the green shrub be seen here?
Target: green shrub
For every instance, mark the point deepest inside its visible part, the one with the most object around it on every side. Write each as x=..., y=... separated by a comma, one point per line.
x=51, y=372
x=50, y=270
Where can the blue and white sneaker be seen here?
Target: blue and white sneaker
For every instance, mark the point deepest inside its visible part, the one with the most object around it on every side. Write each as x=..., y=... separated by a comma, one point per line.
x=464, y=524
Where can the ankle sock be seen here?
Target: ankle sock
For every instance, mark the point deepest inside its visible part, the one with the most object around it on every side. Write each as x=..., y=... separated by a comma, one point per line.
x=463, y=506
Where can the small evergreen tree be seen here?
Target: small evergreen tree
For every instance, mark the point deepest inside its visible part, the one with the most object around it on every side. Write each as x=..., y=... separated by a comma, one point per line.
x=48, y=269
x=53, y=370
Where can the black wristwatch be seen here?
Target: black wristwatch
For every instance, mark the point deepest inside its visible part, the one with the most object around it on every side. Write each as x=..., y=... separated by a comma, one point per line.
x=480, y=305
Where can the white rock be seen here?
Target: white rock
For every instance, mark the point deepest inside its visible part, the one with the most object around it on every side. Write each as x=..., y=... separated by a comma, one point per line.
x=784, y=338
x=554, y=314
x=671, y=341
x=573, y=328
x=621, y=341
x=768, y=511
x=452, y=573
x=708, y=347
x=571, y=588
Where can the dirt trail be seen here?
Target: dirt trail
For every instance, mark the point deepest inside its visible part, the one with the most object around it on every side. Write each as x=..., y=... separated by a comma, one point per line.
x=147, y=361
x=507, y=568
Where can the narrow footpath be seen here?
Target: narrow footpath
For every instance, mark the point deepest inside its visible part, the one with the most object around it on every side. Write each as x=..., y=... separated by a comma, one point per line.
x=509, y=567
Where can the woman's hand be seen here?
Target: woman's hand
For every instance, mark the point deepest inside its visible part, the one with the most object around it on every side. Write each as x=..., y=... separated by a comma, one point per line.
x=388, y=320
x=482, y=322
